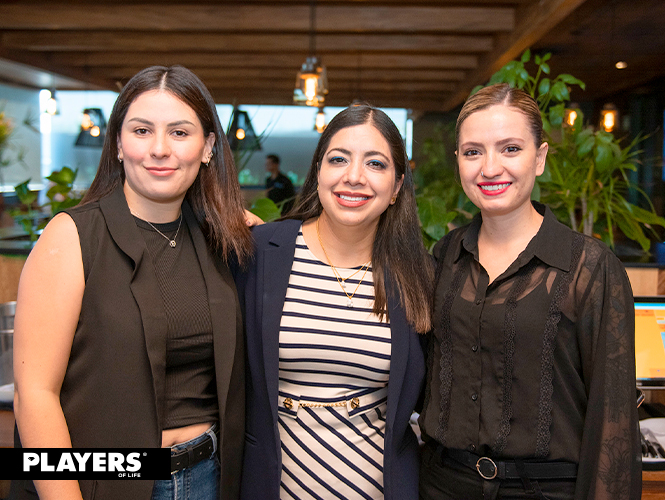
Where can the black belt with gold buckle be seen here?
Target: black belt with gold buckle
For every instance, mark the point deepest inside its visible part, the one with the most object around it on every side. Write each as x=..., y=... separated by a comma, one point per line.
x=489, y=468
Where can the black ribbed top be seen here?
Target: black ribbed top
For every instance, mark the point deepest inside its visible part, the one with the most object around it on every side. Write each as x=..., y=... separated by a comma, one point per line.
x=190, y=388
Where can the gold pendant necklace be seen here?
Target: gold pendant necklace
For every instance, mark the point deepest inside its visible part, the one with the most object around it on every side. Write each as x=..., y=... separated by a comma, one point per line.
x=342, y=281
x=172, y=242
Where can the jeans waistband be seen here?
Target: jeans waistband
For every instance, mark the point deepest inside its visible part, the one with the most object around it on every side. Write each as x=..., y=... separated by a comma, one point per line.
x=190, y=453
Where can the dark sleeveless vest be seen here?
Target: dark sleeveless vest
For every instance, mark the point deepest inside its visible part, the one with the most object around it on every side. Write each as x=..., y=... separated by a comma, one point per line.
x=112, y=394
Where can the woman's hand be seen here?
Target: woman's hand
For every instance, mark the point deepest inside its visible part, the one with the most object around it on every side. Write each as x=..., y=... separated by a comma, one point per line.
x=252, y=220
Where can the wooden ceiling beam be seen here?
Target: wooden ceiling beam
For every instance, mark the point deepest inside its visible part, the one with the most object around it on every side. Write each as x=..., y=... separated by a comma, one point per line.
x=43, y=62
x=426, y=3
x=364, y=62
x=425, y=102
x=216, y=17
x=102, y=41
x=535, y=20
x=339, y=86
x=284, y=81
x=204, y=66
x=402, y=77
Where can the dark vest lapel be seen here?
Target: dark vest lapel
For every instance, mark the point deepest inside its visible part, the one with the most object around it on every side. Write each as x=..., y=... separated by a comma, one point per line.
x=144, y=287
x=223, y=303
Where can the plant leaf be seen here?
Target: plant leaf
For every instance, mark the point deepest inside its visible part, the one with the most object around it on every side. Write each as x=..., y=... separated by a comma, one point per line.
x=544, y=86
x=571, y=80
x=24, y=194
x=556, y=114
x=560, y=91
x=266, y=209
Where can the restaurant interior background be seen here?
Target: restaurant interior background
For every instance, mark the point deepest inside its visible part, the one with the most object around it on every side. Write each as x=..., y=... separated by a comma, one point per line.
x=418, y=60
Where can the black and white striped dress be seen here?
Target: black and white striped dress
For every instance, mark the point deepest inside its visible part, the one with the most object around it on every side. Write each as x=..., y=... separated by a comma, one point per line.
x=330, y=354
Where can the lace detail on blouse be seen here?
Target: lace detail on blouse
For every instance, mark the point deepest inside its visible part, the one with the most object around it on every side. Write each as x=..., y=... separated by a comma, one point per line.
x=540, y=363
x=547, y=359
x=509, y=342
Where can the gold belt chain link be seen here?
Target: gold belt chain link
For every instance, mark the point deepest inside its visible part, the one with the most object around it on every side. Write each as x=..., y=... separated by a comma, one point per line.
x=288, y=404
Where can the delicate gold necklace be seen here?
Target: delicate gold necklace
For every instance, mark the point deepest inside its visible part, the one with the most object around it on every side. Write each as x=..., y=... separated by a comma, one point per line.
x=342, y=281
x=172, y=242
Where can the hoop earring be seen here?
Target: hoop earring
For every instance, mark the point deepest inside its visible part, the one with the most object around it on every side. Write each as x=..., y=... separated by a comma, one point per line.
x=207, y=164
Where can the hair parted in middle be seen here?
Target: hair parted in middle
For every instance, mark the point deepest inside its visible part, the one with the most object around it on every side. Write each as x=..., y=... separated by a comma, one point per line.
x=398, y=252
x=215, y=194
x=503, y=94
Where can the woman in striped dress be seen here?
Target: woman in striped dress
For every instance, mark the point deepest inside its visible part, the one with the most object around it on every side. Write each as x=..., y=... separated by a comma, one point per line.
x=335, y=301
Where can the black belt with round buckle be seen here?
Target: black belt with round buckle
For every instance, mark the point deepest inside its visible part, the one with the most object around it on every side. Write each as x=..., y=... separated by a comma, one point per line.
x=486, y=471
x=489, y=468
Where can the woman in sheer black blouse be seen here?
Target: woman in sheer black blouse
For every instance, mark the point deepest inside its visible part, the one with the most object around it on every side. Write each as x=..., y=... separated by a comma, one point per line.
x=531, y=367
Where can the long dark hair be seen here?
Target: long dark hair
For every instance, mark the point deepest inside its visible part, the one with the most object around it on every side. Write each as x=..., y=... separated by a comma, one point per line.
x=215, y=194
x=398, y=250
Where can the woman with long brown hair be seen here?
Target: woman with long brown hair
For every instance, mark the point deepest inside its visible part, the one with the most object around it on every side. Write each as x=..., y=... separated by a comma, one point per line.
x=128, y=331
x=336, y=302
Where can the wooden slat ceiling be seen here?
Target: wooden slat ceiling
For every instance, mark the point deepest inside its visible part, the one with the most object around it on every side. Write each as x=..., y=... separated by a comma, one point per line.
x=423, y=55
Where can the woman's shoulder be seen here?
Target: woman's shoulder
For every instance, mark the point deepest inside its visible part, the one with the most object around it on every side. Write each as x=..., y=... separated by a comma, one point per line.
x=278, y=232
x=85, y=212
x=595, y=252
x=449, y=241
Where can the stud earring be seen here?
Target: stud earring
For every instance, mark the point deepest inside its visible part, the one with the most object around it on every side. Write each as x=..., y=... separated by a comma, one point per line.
x=394, y=199
x=119, y=159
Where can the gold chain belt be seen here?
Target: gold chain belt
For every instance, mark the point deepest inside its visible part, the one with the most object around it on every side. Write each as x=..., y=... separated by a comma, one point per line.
x=288, y=404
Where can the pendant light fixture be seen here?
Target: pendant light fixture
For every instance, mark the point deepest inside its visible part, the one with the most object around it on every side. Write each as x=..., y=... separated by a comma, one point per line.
x=312, y=80
x=609, y=117
x=241, y=135
x=52, y=104
x=571, y=113
x=320, y=121
x=93, y=129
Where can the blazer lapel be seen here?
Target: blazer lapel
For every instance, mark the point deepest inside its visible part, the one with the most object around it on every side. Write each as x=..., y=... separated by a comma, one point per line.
x=144, y=288
x=277, y=263
x=399, y=336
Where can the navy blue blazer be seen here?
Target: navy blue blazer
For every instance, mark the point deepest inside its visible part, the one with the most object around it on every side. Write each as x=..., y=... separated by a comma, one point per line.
x=263, y=288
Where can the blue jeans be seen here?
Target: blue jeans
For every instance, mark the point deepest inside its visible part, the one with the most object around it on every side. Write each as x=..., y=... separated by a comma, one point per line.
x=200, y=482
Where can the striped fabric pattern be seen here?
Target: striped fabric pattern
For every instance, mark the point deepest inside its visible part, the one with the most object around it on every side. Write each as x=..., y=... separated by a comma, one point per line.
x=330, y=354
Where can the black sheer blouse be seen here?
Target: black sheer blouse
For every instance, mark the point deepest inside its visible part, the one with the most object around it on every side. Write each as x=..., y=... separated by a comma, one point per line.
x=540, y=363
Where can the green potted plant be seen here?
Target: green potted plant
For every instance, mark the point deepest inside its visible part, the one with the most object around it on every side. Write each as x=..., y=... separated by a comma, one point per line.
x=439, y=194
x=60, y=194
x=10, y=151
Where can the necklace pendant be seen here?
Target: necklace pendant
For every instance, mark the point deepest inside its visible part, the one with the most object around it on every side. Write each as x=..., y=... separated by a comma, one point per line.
x=172, y=243
x=343, y=283
x=349, y=303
